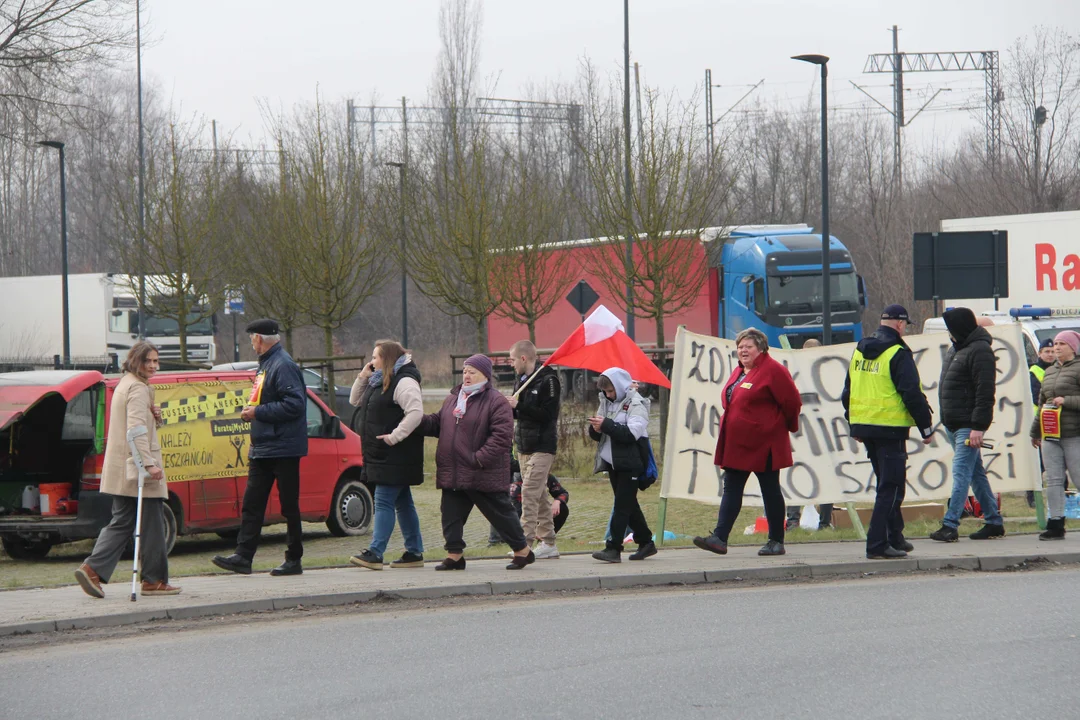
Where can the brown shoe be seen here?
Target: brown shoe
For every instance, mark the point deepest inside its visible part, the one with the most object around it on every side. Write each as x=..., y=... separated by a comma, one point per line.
x=89, y=581
x=159, y=588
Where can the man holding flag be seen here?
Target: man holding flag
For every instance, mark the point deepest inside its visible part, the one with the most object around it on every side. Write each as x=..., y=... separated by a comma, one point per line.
x=536, y=410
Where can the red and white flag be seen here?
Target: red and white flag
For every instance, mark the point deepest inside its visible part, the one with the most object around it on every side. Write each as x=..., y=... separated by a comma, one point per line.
x=600, y=343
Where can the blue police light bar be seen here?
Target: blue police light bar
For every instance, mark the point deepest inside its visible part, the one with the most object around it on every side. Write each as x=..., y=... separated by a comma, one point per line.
x=1030, y=312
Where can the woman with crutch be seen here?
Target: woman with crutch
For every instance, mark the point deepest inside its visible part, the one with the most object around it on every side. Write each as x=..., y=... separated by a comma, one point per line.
x=132, y=406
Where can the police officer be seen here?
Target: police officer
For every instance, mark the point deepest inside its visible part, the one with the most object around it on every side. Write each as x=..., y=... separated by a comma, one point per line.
x=882, y=399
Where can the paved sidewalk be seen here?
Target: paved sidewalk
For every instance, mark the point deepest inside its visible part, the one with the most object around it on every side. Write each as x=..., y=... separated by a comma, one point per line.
x=43, y=610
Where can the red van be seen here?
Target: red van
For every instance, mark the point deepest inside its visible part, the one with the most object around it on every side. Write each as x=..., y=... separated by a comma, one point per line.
x=52, y=447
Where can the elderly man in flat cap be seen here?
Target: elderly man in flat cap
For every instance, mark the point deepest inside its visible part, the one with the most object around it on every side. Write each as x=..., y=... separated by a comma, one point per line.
x=276, y=410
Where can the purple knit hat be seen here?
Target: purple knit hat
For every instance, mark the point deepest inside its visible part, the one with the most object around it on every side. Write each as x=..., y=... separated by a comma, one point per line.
x=481, y=363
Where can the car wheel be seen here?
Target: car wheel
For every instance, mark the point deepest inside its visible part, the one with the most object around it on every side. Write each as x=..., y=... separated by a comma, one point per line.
x=352, y=509
x=19, y=548
x=171, y=528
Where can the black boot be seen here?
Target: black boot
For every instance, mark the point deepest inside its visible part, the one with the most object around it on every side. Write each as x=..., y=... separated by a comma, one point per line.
x=610, y=554
x=1055, y=529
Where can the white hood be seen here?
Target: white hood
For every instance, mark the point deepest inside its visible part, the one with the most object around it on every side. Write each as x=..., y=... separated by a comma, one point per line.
x=620, y=379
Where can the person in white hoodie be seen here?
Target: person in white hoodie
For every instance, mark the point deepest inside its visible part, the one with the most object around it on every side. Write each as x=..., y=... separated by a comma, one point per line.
x=621, y=428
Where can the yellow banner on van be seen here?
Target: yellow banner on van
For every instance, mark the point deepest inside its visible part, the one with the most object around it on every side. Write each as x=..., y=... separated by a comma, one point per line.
x=202, y=436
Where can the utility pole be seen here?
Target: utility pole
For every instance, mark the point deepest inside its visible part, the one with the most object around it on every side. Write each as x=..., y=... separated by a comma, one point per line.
x=142, y=173
x=898, y=110
x=1039, y=120
x=640, y=121
x=709, y=132
x=897, y=63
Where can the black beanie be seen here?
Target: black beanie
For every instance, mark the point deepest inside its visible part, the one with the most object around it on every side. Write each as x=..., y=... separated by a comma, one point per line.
x=960, y=322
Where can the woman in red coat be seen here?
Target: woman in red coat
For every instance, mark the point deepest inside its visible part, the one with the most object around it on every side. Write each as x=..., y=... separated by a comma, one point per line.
x=761, y=406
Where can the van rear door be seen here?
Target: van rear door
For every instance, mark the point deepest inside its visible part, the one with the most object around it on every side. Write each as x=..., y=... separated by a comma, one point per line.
x=20, y=391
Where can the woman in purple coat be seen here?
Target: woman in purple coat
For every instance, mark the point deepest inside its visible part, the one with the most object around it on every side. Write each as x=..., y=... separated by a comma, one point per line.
x=475, y=428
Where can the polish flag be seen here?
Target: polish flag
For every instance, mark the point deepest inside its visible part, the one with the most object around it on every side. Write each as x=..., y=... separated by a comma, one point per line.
x=600, y=343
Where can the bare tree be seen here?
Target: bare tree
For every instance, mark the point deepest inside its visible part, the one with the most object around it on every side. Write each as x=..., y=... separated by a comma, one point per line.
x=337, y=261
x=459, y=189
x=183, y=252
x=675, y=195
x=44, y=42
x=269, y=272
x=526, y=276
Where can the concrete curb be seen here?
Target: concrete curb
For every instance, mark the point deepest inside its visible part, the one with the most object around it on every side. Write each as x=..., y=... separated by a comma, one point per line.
x=540, y=585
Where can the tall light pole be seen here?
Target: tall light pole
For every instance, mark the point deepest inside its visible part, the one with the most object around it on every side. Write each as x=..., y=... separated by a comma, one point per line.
x=142, y=172
x=627, y=186
x=826, y=266
x=404, y=268
x=1040, y=120
x=63, y=247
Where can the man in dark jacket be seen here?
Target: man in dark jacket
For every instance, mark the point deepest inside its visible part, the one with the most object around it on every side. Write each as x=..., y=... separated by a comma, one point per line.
x=966, y=399
x=277, y=411
x=536, y=408
x=883, y=400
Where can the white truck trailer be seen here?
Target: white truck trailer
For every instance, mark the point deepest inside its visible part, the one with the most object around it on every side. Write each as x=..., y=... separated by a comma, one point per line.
x=103, y=320
x=1044, y=275
x=1044, y=259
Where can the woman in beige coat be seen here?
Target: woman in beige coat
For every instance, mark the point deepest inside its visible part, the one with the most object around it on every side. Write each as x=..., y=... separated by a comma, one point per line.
x=132, y=406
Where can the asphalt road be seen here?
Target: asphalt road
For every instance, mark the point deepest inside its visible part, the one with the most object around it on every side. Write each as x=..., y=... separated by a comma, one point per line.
x=965, y=646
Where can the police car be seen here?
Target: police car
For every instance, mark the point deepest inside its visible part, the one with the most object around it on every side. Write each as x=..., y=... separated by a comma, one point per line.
x=1037, y=324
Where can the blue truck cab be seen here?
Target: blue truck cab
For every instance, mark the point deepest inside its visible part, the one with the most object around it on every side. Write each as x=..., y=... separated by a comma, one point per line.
x=770, y=278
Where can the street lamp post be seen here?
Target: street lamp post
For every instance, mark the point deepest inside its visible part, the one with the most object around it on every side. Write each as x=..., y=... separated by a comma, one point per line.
x=627, y=185
x=404, y=269
x=826, y=265
x=142, y=173
x=63, y=246
x=1040, y=120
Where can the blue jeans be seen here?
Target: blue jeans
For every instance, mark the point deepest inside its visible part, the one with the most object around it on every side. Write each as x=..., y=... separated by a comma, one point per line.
x=968, y=472
x=389, y=498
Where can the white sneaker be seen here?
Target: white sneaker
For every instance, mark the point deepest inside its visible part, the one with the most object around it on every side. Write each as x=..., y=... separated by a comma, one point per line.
x=546, y=552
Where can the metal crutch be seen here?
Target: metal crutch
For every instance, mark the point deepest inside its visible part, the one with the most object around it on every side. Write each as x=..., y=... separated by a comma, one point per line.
x=136, y=456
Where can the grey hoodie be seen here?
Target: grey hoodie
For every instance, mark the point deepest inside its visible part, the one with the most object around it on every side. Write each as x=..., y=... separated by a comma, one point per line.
x=635, y=417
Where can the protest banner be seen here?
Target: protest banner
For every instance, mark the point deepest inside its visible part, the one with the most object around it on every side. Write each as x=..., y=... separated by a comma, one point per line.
x=831, y=466
x=201, y=433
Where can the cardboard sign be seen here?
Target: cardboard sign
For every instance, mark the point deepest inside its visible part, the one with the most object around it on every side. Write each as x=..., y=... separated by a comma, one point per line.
x=830, y=465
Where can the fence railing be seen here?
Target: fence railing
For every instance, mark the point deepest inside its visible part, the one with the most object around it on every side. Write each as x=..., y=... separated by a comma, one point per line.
x=101, y=363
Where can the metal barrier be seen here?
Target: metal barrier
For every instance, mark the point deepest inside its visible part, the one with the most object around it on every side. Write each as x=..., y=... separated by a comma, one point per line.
x=101, y=363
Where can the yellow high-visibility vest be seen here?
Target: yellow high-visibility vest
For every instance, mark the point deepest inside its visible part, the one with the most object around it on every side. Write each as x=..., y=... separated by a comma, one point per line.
x=1040, y=374
x=874, y=399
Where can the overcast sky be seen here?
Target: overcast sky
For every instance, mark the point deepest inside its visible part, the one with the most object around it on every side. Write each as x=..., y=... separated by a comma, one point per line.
x=216, y=58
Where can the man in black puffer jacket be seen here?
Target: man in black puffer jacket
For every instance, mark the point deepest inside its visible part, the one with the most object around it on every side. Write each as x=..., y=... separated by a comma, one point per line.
x=537, y=411
x=277, y=411
x=966, y=396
